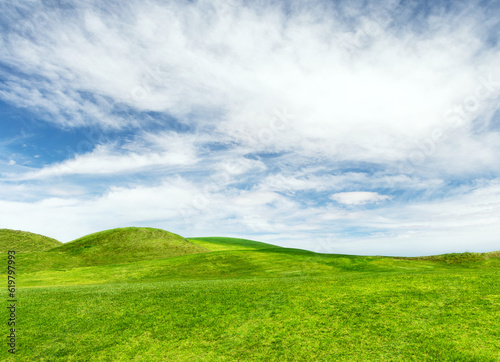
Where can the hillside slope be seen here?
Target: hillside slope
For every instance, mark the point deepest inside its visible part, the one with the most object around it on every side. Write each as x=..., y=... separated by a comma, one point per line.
x=23, y=241
x=242, y=264
x=115, y=246
x=216, y=243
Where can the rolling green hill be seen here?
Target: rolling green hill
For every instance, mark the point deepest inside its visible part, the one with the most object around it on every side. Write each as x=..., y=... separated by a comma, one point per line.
x=146, y=294
x=115, y=246
x=50, y=268
x=23, y=241
x=128, y=244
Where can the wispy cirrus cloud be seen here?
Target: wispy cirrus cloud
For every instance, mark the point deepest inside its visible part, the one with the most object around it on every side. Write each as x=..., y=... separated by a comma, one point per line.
x=358, y=197
x=109, y=159
x=324, y=118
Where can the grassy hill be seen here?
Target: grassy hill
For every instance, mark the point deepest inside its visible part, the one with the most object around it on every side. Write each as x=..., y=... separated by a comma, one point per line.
x=115, y=246
x=23, y=241
x=146, y=294
x=128, y=244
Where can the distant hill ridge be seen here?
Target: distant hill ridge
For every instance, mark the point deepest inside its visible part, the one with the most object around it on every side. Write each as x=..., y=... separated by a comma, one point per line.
x=125, y=244
x=133, y=244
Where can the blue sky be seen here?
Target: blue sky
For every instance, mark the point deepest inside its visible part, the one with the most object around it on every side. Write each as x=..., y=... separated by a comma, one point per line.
x=346, y=127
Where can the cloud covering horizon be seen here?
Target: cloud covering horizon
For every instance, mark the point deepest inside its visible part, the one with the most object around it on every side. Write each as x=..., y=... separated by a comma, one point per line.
x=331, y=126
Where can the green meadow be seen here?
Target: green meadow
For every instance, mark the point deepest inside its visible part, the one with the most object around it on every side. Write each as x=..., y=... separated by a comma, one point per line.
x=143, y=294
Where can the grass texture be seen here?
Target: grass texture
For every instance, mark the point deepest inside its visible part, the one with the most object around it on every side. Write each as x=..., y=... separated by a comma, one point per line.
x=166, y=298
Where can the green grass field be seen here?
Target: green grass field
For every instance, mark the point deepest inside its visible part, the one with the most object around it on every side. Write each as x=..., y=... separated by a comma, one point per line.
x=141, y=294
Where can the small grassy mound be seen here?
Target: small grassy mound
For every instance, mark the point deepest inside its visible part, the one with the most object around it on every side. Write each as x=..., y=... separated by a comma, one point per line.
x=127, y=245
x=216, y=243
x=467, y=257
x=458, y=258
x=116, y=246
x=492, y=254
x=23, y=241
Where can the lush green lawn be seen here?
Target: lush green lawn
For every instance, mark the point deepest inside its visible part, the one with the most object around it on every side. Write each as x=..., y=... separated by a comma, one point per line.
x=223, y=299
x=449, y=315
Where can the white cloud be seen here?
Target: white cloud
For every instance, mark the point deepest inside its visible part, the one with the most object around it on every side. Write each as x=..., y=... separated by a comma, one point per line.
x=160, y=150
x=371, y=102
x=306, y=179
x=358, y=197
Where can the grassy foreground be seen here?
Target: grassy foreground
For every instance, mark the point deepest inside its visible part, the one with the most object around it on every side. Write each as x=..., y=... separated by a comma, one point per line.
x=237, y=300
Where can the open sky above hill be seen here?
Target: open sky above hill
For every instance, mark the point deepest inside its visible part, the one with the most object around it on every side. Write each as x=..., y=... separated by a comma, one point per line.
x=335, y=126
